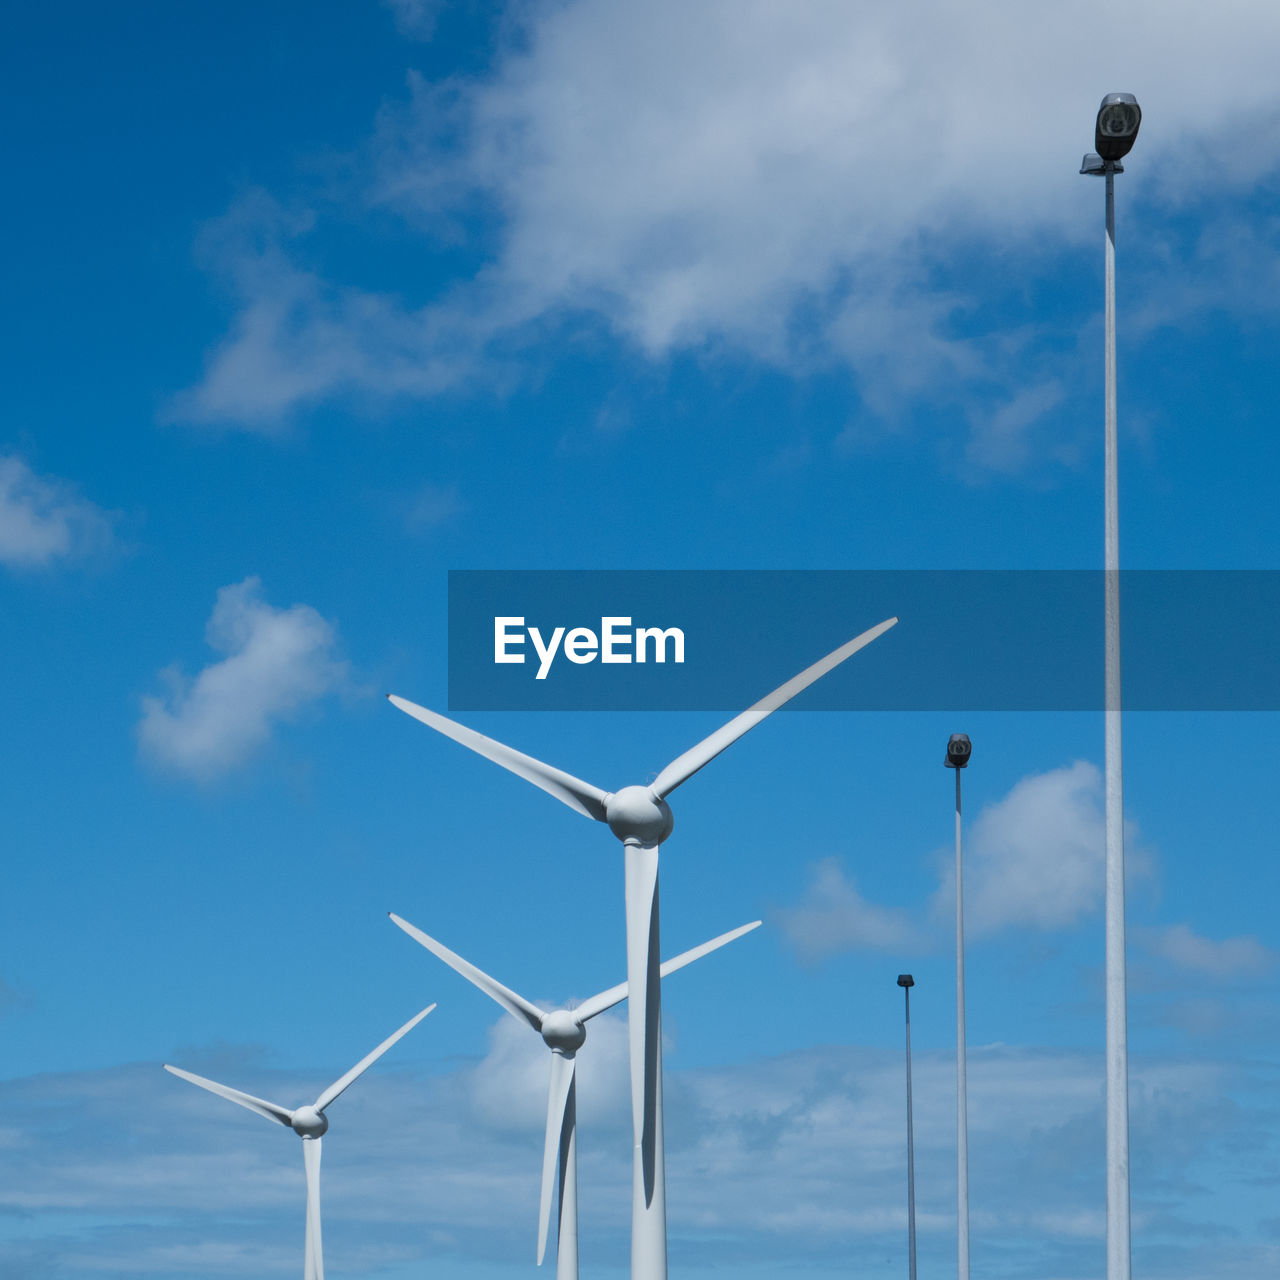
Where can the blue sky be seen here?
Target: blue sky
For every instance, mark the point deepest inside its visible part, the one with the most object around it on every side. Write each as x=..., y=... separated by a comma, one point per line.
x=308, y=305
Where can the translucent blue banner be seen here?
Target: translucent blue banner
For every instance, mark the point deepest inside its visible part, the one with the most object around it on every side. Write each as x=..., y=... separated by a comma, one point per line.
x=713, y=640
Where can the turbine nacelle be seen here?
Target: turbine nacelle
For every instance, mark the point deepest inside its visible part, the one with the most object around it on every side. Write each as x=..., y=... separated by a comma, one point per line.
x=637, y=816
x=307, y=1122
x=563, y=1032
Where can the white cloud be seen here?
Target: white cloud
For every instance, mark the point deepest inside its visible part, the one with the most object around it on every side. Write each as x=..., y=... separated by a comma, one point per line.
x=833, y=916
x=791, y=1160
x=1000, y=440
x=277, y=661
x=43, y=518
x=508, y=1087
x=1035, y=859
x=295, y=339
x=416, y=18
x=700, y=170
x=1229, y=266
x=1178, y=946
x=788, y=180
x=298, y=339
x=1213, y=990
x=432, y=506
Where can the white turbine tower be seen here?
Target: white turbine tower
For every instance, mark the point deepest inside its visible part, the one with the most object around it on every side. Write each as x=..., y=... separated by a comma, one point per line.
x=565, y=1033
x=309, y=1123
x=641, y=818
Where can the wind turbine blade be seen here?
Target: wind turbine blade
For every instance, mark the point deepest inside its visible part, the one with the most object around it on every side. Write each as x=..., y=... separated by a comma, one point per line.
x=558, y=1117
x=508, y=999
x=600, y=1003
x=269, y=1109
x=644, y=1010
x=367, y=1061
x=684, y=767
x=313, y=1257
x=616, y=995
x=577, y=794
x=696, y=953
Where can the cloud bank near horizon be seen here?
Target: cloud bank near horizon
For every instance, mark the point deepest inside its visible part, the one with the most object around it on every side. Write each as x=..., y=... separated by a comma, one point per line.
x=798, y=1156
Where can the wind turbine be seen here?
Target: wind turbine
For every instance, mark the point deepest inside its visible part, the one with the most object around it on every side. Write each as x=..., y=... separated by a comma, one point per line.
x=641, y=818
x=565, y=1034
x=309, y=1123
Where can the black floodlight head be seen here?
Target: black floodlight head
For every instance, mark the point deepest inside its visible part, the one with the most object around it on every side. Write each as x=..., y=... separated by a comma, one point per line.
x=959, y=749
x=906, y=980
x=1118, y=119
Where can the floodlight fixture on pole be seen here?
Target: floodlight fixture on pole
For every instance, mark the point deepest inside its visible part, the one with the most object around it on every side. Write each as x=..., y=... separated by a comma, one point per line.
x=959, y=750
x=1117, y=126
x=906, y=982
x=1114, y=133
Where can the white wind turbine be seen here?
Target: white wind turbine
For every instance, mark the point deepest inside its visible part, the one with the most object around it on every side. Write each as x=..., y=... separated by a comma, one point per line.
x=309, y=1123
x=641, y=818
x=565, y=1033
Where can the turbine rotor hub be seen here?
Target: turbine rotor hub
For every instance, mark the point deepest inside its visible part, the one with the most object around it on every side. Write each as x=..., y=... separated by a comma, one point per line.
x=309, y=1123
x=635, y=815
x=562, y=1031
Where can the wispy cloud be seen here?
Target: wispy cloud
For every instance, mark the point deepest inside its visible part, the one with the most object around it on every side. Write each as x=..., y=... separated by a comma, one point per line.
x=277, y=662
x=764, y=178
x=797, y=1156
x=1181, y=948
x=1001, y=439
x=432, y=506
x=416, y=18
x=1228, y=266
x=43, y=519
x=298, y=339
x=1033, y=860
x=1212, y=990
x=787, y=149
x=833, y=916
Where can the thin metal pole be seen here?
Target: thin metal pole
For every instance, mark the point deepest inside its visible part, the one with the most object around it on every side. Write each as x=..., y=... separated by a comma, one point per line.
x=911, y=1159
x=1119, y=1260
x=962, y=1087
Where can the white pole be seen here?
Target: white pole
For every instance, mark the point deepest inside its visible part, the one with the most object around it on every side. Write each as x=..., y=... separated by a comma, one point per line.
x=1119, y=1259
x=911, y=1159
x=567, y=1234
x=962, y=1087
x=644, y=1018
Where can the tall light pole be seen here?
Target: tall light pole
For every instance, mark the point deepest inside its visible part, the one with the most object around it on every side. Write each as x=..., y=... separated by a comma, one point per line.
x=959, y=749
x=1117, y=126
x=906, y=982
